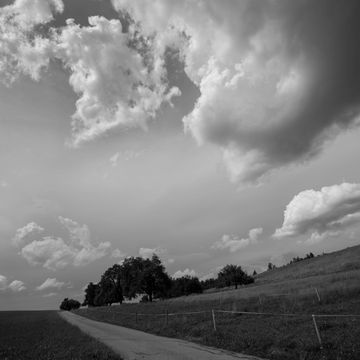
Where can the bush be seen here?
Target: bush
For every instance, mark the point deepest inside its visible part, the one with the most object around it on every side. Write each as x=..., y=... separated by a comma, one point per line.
x=69, y=304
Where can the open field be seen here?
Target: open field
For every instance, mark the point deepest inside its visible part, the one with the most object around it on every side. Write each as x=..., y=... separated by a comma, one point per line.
x=269, y=336
x=44, y=335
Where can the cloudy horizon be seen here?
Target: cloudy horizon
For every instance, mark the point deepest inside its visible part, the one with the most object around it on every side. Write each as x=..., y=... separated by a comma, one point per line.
x=208, y=133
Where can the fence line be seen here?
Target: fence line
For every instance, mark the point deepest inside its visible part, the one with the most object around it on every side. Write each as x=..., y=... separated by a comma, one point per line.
x=214, y=311
x=226, y=311
x=260, y=313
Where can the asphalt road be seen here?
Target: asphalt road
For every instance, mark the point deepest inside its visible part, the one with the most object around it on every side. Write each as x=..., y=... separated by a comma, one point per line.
x=133, y=344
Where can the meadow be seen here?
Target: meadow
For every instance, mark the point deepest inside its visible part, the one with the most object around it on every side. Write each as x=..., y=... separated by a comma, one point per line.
x=289, y=292
x=43, y=335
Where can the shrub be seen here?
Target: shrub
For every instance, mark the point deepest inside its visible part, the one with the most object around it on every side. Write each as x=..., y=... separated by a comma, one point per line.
x=69, y=304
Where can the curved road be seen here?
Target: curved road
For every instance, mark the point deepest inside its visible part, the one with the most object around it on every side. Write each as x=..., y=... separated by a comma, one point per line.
x=135, y=345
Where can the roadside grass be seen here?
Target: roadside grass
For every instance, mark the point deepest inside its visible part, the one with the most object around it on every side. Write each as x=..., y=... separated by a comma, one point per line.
x=271, y=337
x=43, y=335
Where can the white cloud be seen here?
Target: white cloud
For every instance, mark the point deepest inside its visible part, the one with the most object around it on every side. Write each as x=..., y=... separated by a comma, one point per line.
x=52, y=294
x=117, y=253
x=114, y=159
x=267, y=99
x=186, y=272
x=22, y=233
x=54, y=253
x=210, y=275
x=322, y=212
x=266, y=96
x=3, y=282
x=118, y=84
x=50, y=283
x=147, y=253
x=235, y=243
x=23, y=50
x=17, y=286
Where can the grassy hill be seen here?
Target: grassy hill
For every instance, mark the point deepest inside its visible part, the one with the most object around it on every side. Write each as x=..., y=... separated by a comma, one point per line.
x=336, y=262
x=289, y=290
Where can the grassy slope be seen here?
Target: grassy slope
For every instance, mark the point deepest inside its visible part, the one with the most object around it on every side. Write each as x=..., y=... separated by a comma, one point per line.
x=336, y=276
x=44, y=335
x=339, y=261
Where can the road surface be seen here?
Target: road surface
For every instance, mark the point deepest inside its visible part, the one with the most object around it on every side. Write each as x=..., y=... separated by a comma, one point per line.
x=135, y=345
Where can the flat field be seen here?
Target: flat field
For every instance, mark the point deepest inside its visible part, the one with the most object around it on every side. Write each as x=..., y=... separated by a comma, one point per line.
x=289, y=336
x=41, y=335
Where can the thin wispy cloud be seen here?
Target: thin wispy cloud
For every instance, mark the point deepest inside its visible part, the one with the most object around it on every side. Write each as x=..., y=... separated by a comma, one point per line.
x=51, y=283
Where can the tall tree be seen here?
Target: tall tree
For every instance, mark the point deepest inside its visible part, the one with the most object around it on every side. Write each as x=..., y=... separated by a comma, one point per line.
x=154, y=281
x=90, y=293
x=111, y=280
x=234, y=275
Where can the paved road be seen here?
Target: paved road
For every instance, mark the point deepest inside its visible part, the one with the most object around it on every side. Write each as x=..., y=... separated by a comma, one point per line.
x=135, y=345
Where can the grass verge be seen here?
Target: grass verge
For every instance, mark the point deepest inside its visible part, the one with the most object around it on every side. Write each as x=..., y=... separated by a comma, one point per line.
x=271, y=337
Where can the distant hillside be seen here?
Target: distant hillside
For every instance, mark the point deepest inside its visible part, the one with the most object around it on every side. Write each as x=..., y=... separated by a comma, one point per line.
x=335, y=262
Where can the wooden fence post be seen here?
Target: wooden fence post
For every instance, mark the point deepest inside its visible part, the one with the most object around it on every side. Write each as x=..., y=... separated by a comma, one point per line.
x=213, y=318
x=136, y=318
x=167, y=317
x=317, y=294
x=317, y=331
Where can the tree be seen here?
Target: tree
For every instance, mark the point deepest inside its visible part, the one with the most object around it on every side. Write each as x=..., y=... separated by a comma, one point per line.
x=130, y=276
x=69, y=304
x=90, y=293
x=254, y=273
x=271, y=266
x=139, y=276
x=234, y=275
x=185, y=285
x=154, y=281
x=111, y=283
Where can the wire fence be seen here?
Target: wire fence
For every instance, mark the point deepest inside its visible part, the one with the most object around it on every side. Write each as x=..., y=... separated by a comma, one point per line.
x=214, y=318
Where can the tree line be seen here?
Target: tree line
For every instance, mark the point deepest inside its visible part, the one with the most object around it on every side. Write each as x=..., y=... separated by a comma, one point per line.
x=148, y=279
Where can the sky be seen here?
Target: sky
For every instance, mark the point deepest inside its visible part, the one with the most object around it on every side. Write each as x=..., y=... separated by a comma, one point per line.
x=206, y=132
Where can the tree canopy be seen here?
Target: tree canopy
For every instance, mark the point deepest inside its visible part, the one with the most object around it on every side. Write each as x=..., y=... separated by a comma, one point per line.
x=136, y=277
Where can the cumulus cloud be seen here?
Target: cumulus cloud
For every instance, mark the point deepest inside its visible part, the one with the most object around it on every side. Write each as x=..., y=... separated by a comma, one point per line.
x=276, y=78
x=22, y=233
x=17, y=286
x=52, y=294
x=268, y=99
x=234, y=242
x=56, y=253
x=319, y=213
x=23, y=50
x=186, y=272
x=118, y=84
x=147, y=253
x=50, y=283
